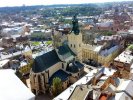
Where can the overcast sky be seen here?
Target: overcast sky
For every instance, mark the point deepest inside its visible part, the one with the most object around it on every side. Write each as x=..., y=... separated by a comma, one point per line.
x=48, y=2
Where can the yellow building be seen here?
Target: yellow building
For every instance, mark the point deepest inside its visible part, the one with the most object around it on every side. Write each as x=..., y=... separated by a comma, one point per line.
x=95, y=52
x=25, y=67
x=104, y=53
x=75, y=43
x=28, y=54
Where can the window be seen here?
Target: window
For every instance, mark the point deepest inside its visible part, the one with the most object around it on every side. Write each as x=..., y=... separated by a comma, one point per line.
x=62, y=66
x=79, y=45
x=48, y=74
x=71, y=45
x=112, y=28
x=74, y=45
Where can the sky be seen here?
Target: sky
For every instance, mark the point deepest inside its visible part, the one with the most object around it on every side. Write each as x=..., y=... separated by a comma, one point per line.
x=4, y=3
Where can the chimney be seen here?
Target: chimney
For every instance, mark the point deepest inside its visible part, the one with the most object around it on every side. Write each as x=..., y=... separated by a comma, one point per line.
x=94, y=81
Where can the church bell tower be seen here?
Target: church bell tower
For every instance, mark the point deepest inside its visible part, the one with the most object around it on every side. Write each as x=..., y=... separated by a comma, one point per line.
x=75, y=39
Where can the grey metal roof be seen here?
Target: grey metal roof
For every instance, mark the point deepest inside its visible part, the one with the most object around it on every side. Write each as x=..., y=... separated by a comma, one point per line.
x=65, y=51
x=45, y=61
x=60, y=74
x=74, y=67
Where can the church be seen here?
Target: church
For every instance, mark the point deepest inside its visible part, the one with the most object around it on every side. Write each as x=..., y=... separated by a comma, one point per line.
x=63, y=62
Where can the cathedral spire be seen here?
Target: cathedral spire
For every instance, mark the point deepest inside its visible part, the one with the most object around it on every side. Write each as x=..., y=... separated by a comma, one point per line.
x=75, y=24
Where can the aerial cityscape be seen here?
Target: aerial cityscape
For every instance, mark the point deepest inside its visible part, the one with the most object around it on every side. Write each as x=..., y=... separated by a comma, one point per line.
x=66, y=51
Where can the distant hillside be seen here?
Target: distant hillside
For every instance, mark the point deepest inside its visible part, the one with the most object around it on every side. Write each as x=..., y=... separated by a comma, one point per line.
x=27, y=8
x=18, y=9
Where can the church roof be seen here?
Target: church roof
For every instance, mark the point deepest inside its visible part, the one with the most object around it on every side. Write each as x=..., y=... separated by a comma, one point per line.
x=65, y=51
x=74, y=67
x=60, y=74
x=45, y=61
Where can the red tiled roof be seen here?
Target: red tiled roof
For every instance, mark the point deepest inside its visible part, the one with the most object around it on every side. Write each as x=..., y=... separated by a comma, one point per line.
x=103, y=97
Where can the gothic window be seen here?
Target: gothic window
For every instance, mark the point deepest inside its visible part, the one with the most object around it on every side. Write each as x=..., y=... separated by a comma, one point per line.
x=74, y=45
x=39, y=81
x=71, y=45
x=62, y=66
x=48, y=74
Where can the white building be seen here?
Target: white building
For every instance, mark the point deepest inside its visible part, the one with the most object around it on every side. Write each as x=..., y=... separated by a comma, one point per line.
x=11, y=88
x=125, y=91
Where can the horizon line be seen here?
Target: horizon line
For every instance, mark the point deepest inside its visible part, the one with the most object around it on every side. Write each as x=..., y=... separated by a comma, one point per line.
x=24, y=5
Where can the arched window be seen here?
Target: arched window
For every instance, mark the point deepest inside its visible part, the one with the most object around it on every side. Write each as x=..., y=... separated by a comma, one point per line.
x=62, y=66
x=74, y=46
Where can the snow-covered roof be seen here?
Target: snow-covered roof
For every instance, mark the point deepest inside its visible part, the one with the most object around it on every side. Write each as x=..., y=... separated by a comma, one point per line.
x=107, y=71
x=66, y=94
x=125, y=57
x=105, y=24
x=127, y=86
x=1, y=48
x=121, y=96
x=23, y=64
x=15, y=36
x=113, y=37
x=107, y=52
x=97, y=49
x=131, y=66
x=131, y=69
x=103, y=77
x=3, y=62
x=12, y=88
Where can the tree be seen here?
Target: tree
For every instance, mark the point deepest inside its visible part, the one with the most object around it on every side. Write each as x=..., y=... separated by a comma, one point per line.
x=107, y=33
x=37, y=36
x=130, y=48
x=57, y=86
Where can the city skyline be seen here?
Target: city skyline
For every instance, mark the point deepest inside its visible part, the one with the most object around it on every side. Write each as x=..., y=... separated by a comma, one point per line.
x=5, y=3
